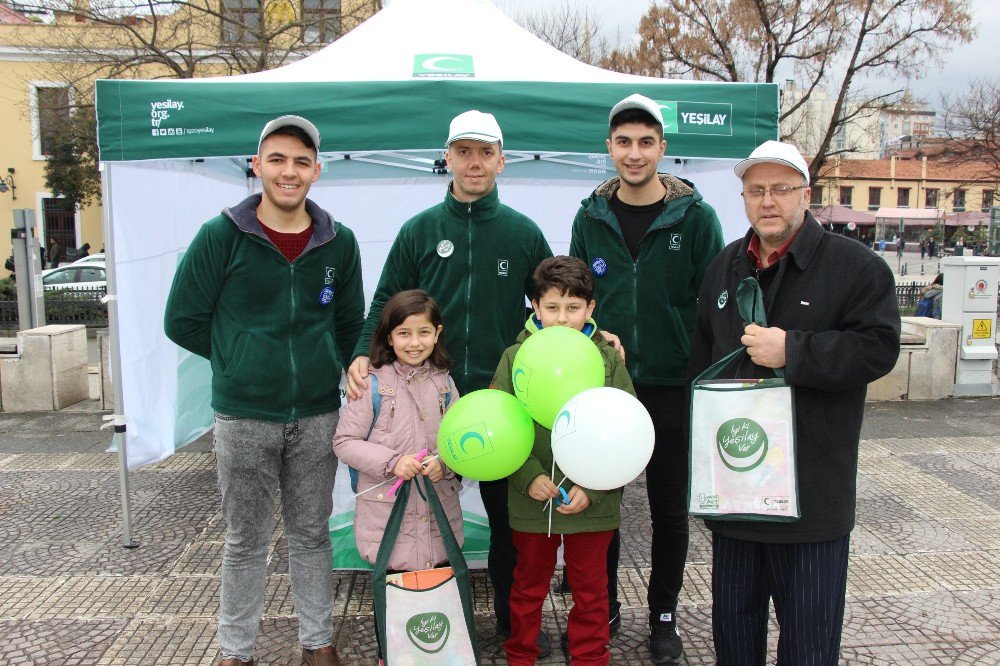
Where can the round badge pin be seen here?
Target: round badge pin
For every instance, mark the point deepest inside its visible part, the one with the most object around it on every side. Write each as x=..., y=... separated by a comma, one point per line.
x=445, y=248
x=326, y=296
x=599, y=266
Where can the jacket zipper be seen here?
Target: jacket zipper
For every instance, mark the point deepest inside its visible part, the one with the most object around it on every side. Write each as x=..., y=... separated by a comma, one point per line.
x=291, y=352
x=468, y=299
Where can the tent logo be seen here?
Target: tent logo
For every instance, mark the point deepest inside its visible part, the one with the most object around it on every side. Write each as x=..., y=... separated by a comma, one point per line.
x=443, y=66
x=706, y=118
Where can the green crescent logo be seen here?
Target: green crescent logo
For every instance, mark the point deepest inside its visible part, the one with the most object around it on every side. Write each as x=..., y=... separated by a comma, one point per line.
x=443, y=65
x=516, y=377
x=471, y=435
x=428, y=631
x=563, y=413
x=742, y=444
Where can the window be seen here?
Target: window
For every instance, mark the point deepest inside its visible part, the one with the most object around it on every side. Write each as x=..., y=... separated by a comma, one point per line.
x=874, y=198
x=846, y=196
x=50, y=110
x=988, y=200
x=320, y=21
x=240, y=21
x=816, y=199
x=903, y=197
x=931, y=198
x=959, y=200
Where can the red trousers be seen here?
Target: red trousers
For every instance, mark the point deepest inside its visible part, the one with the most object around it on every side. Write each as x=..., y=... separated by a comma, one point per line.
x=586, y=565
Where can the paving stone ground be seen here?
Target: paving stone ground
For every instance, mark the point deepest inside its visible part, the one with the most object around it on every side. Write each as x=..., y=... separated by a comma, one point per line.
x=923, y=586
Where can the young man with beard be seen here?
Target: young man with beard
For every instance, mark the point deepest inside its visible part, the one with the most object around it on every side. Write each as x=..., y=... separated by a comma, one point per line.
x=648, y=238
x=833, y=327
x=270, y=292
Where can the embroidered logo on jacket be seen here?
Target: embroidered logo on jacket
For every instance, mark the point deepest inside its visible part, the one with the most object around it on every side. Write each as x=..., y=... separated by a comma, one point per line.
x=723, y=298
x=503, y=267
x=675, y=242
x=331, y=274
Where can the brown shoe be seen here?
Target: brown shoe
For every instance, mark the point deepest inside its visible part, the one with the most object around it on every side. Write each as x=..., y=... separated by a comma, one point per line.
x=324, y=656
x=237, y=662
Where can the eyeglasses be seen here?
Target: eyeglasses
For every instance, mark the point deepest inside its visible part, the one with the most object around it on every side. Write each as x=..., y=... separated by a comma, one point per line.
x=776, y=192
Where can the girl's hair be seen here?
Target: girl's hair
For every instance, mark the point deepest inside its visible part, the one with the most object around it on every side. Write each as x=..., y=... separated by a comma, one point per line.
x=394, y=312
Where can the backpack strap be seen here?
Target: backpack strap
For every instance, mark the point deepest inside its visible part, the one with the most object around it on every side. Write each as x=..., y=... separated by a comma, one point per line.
x=376, y=408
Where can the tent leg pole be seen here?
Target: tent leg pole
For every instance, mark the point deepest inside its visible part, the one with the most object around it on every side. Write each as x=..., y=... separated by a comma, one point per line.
x=116, y=366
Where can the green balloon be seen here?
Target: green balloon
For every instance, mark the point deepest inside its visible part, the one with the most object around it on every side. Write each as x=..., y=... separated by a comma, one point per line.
x=486, y=435
x=552, y=366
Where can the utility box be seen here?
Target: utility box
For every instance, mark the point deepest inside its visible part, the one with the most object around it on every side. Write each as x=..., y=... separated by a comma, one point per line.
x=971, y=285
x=49, y=370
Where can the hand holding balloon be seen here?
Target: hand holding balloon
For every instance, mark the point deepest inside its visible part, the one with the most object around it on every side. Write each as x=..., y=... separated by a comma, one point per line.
x=542, y=488
x=578, y=501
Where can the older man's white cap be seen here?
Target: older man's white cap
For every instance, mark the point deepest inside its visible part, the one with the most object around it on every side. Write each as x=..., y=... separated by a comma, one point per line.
x=774, y=152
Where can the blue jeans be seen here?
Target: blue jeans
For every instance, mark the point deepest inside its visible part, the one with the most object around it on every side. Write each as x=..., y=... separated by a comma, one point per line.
x=254, y=458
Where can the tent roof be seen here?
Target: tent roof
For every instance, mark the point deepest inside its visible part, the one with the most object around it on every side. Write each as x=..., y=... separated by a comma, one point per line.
x=395, y=81
x=842, y=215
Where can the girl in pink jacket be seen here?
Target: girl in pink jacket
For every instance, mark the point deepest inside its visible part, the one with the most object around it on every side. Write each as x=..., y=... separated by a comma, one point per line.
x=410, y=368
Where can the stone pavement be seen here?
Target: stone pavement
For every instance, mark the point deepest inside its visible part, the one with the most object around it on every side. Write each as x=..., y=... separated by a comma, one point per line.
x=924, y=581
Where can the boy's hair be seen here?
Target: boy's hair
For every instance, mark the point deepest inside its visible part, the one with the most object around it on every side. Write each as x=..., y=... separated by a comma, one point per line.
x=635, y=116
x=569, y=275
x=394, y=312
x=297, y=132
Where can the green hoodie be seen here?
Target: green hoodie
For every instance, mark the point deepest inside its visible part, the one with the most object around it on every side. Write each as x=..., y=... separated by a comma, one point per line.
x=476, y=260
x=604, y=512
x=275, y=332
x=649, y=303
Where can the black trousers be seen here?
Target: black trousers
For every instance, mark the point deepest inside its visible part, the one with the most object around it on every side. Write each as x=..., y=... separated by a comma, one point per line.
x=808, y=583
x=503, y=555
x=666, y=487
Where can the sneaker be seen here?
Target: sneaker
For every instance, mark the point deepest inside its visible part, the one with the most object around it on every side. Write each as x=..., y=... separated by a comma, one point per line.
x=614, y=626
x=324, y=656
x=665, y=645
x=543, y=641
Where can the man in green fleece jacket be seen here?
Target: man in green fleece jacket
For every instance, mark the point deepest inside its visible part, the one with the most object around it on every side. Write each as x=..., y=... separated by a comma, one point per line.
x=564, y=296
x=648, y=239
x=475, y=256
x=270, y=292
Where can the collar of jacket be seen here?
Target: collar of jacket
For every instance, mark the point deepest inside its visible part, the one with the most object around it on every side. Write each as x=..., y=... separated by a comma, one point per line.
x=534, y=324
x=483, y=208
x=244, y=215
x=800, y=252
x=680, y=194
x=406, y=371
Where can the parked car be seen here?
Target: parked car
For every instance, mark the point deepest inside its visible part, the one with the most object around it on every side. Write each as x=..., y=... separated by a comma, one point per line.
x=76, y=277
x=90, y=259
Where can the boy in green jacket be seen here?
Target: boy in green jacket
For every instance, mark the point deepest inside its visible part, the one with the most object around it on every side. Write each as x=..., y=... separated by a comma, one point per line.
x=564, y=296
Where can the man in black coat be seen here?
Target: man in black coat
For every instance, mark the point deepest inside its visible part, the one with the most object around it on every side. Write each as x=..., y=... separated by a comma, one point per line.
x=833, y=327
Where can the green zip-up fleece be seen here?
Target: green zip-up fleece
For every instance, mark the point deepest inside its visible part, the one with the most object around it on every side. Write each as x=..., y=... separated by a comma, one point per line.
x=476, y=260
x=649, y=303
x=276, y=333
x=604, y=512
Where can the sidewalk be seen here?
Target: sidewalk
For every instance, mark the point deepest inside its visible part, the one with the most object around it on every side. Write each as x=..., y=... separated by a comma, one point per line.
x=924, y=582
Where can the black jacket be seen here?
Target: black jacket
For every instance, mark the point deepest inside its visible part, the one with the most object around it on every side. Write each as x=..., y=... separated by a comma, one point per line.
x=836, y=300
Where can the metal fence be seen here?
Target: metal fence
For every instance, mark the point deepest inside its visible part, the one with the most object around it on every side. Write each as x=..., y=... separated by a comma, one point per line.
x=907, y=297
x=77, y=306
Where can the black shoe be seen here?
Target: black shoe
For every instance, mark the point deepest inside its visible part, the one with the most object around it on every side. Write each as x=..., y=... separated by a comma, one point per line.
x=614, y=626
x=665, y=645
x=543, y=642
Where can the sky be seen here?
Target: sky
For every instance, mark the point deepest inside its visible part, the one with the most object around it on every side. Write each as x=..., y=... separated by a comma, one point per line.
x=970, y=61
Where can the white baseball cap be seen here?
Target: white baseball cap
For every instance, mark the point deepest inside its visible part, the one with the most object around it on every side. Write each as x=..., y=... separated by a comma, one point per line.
x=640, y=102
x=290, y=121
x=774, y=152
x=474, y=125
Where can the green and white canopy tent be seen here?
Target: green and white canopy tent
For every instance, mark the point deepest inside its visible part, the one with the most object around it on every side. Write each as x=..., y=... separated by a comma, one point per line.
x=174, y=153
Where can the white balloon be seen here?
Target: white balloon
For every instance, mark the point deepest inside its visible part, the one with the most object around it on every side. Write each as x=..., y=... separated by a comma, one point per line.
x=602, y=438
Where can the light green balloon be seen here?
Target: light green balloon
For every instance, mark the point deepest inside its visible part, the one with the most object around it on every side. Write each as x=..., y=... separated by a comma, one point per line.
x=486, y=435
x=552, y=366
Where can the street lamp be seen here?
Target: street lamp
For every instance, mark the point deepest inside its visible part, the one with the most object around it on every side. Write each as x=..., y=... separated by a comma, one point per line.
x=7, y=184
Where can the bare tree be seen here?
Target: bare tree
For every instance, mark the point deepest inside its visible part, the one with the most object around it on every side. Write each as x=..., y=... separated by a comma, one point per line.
x=826, y=44
x=570, y=29
x=971, y=124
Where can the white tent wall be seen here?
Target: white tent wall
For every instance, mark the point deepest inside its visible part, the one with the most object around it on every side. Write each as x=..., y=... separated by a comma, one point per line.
x=158, y=207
